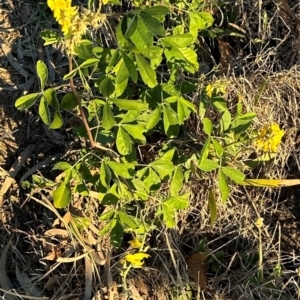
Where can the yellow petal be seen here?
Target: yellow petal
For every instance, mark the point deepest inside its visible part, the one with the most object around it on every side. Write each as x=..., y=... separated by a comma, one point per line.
x=135, y=243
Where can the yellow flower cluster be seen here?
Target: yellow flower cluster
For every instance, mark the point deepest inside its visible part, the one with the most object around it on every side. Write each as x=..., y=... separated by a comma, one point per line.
x=136, y=259
x=73, y=23
x=63, y=13
x=269, y=138
x=218, y=87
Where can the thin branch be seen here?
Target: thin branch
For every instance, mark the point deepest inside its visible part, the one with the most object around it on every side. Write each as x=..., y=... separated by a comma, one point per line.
x=78, y=99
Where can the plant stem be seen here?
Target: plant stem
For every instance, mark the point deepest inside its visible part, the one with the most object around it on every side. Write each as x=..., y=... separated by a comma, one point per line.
x=78, y=99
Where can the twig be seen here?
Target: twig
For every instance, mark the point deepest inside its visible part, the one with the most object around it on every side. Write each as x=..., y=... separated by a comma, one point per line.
x=14, y=171
x=78, y=99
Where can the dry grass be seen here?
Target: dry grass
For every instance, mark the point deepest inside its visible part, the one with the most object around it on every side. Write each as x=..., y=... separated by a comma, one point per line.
x=231, y=242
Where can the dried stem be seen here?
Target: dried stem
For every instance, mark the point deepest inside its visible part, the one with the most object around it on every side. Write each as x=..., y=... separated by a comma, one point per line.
x=78, y=99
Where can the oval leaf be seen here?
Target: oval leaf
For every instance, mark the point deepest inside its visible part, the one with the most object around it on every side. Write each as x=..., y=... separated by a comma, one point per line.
x=130, y=67
x=44, y=111
x=42, y=72
x=234, y=174
x=178, y=41
x=152, y=24
x=130, y=104
x=157, y=10
x=108, y=120
x=147, y=73
x=50, y=96
x=223, y=186
x=154, y=118
x=62, y=195
x=68, y=101
x=207, y=126
x=89, y=63
x=107, y=87
x=123, y=142
x=70, y=75
x=129, y=25
x=26, y=101
x=57, y=121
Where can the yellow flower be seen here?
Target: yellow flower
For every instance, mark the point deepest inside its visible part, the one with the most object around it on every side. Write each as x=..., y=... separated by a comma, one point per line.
x=73, y=23
x=136, y=259
x=218, y=87
x=269, y=138
x=63, y=13
x=259, y=222
x=135, y=243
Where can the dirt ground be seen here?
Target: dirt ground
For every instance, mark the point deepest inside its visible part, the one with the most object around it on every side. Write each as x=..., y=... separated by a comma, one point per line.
x=25, y=222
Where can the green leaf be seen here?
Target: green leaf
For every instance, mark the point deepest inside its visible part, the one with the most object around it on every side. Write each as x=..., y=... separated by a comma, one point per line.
x=152, y=52
x=204, y=151
x=142, y=38
x=108, y=120
x=218, y=147
x=50, y=96
x=26, y=101
x=207, y=126
x=107, y=87
x=171, y=122
x=50, y=37
x=188, y=104
x=234, y=174
x=106, y=216
x=223, y=186
x=42, y=72
x=199, y=21
x=70, y=74
x=115, y=55
x=125, y=170
x=177, y=181
x=152, y=24
x=68, y=101
x=89, y=63
x=151, y=180
x=164, y=166
x=136, y=131
x=128, y=220
x=157, y=10
x=154, y=118
x=130, y=67
x=130, y=104
x=116, y=234
x=219, y=103
x=177, y=202
x=147, y=73
x=123, y=142
x=191, y=57
x=122, y=73
x=241, y=123
x=184, y=109
x=168, y=216
x=120, y=88
x=57, y=121
x=225, y=121
x=177, y=41
x=212, y=206
x=44, y=111
x=62, y=195
x=208, y=165
x=129, y=23
x=130, y=116
x=62, y=165
x=105, y=175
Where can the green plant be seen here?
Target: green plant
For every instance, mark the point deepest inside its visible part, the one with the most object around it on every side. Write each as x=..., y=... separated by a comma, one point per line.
x=140, y=87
